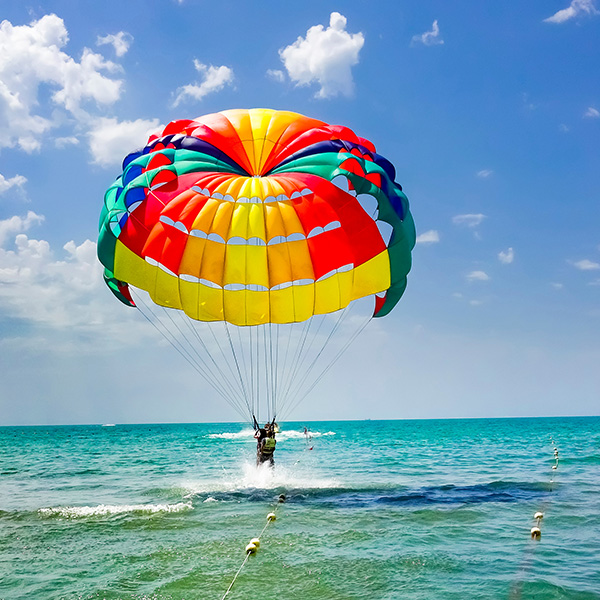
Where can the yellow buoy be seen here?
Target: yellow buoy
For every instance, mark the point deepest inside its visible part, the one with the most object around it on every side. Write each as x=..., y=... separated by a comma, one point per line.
x=256, y=542
x=538, y=515
x=536, y=533
x=271, y=517
x=554, y=467
x=251, y=548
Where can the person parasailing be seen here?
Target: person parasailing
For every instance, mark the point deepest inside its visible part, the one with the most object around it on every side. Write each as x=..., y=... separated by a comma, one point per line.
x=265, y=442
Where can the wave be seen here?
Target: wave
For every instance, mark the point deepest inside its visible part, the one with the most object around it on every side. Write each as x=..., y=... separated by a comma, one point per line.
x=244, y=434
x=103, y=510
x=292, y=434
x=282, y=435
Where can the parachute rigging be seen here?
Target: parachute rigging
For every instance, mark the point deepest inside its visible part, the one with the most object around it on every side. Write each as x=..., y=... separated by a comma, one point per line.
x=265, y=370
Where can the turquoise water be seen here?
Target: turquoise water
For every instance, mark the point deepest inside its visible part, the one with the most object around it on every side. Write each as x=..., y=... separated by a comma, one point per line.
x=377, y=509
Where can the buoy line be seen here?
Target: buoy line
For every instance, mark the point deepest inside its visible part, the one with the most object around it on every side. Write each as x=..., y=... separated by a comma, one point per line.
x=536, y=530
x=254, y=544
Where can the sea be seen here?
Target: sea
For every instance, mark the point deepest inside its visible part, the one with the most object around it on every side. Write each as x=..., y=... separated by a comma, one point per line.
x=415, y=509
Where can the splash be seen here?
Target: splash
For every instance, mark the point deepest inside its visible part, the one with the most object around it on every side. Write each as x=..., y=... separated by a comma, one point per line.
x=260, y=477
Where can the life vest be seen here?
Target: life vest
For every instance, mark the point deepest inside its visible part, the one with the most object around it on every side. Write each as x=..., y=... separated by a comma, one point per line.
x=268, y=445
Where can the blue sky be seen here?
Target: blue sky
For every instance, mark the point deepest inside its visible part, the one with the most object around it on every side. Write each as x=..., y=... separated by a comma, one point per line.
x=490, y=112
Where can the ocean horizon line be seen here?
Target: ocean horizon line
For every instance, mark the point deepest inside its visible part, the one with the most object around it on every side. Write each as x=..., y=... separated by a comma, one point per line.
x=298, y=421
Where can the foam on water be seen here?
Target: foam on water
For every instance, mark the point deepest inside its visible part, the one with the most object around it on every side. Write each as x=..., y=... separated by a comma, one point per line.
x=282, y=435
x=237, y=435
x=103, y=510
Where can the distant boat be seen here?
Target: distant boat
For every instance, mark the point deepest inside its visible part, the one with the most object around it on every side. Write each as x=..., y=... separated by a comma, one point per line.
x=108, y=425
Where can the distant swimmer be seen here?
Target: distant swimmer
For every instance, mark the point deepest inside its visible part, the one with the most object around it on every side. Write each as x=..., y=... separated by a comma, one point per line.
x=265, y=442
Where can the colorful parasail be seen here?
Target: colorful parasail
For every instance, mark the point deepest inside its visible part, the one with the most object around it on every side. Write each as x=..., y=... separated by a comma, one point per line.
x=255, y=221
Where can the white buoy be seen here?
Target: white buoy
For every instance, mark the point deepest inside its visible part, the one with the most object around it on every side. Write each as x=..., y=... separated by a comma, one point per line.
x=538, y=515
x=271, y=517
x=536, y=533
x=251, y=548
x=554, y=467
x=256, y=542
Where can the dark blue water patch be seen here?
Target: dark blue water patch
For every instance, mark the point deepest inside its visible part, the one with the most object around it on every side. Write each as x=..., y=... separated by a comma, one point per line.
x=346, y=497
x=496, y=491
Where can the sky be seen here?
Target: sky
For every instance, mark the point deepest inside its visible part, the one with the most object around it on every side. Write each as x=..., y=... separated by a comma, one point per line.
x=489, y=111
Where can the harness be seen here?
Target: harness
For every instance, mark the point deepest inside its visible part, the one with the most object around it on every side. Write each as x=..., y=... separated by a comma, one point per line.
x=268, y=445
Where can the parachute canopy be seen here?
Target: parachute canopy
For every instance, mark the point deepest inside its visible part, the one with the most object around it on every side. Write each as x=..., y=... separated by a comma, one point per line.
x=257, y=217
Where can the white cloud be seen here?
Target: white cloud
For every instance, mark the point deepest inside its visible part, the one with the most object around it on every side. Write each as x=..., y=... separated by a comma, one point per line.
x=63, y=296
x=576, y=8
x=38, y=288
x=276, y=75
x=506, y=257
x=63, y=142
x=591, y=113
x=31, y=58
x=428, y=237
x=586, y=265
x=557, y=286
x=326, y=56
x=429, y=38
x=478, y=276
x=563, y=128
x=214, y=80
x=119, y=41
x=67, y=293
x=6, y=184
x=485, y=173
x=16, y=224
x=470, y=220
x=112, y=140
